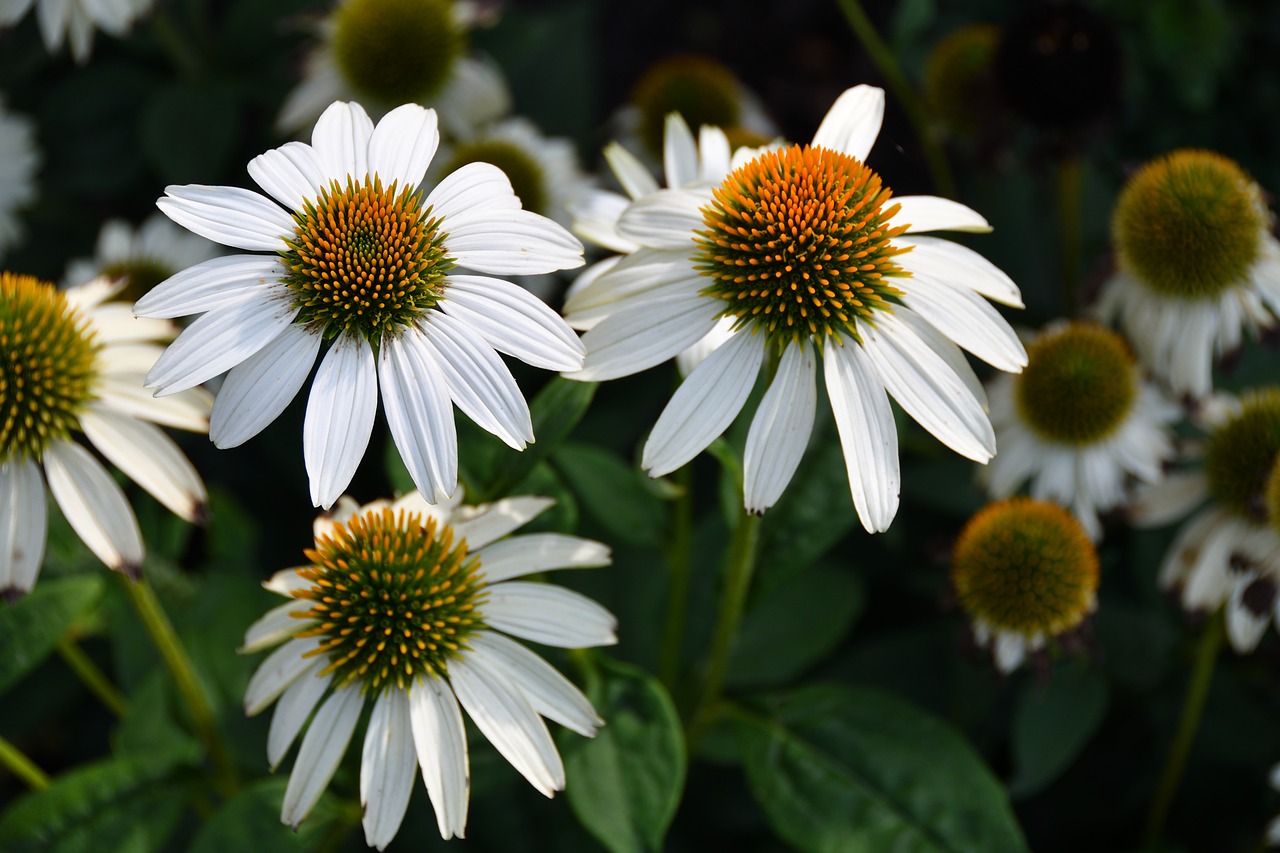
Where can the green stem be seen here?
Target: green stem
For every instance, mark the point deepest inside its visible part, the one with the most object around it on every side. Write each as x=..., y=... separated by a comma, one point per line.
x=1070, y=174
x=178, y=662
x=885, y=61
x=743, y=549
x=678, y=558
x=24, y=768
x=92, y=677
x=1192, y=708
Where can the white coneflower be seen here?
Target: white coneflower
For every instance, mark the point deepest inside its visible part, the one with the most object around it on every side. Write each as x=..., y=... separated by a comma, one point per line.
x=74, y=21
x=365, y=263
x=407, y=606
x=73, y=364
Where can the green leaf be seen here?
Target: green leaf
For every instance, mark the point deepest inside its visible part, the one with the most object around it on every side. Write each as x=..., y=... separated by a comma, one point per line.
x=1052, y=722
x=793, y=624
x=188, y=129
x=853, y=769
x=121, y=804
x=251, y=821
x=613, y=493
x=626, y=782
x=555, y=410
x=34, y=624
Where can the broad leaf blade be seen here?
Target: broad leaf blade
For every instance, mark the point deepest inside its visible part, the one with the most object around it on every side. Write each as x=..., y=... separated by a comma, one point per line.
x=34, y=624
x=1052, y=722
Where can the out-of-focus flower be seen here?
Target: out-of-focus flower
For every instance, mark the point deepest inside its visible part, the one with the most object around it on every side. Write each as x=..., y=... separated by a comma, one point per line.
x=958, y=79
x=19, y=160
x=143, y=256
x=73, y=21
x=407, y=606
x=364, y=261
x=72, y=363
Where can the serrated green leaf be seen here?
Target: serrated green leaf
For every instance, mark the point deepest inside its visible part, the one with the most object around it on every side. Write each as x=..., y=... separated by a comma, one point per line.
x=613, y=493
x=34, y=624
x=1052, y=722
x=555, y=411
x=626, y=782
x=251, y=821
x=857, y=769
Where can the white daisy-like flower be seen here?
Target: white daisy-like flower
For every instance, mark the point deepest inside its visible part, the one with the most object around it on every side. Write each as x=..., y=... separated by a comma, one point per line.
x=384, y=53
x=1227, y=553
x=365, y=262
x=807, y=255
x=19, y=160
x=74, y=21
x=1198, y=266
x=434, y=587
x=142, y=256
x=1078, y=422
x=1025, y=572
x=72, y=363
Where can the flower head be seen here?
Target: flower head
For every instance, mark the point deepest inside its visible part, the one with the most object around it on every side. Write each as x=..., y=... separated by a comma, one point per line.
x=72, y=364
x=1197, y=265
x=1078, y=422
x=803, y=255
x=366, y=262
x=407, y=605
x=74, y=20
x=958, y=78
x=1025, y=572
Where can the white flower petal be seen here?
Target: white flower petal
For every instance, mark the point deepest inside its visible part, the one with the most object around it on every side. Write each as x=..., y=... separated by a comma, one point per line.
x=961, y=266
x=419, y=413
x=679, y=151
x=94, y=505
x=321, y=753
x=595, y=219
x=868, y=435
x=1244, y=627
x=715, y=154
x=479, y=383
x=631, y=341
x=148, y=457
x=930, y=213
x=513, y=321
x=291, y=174
x=209, y=285
x=665, y=219
x=231, y=216
x=294, y=709
x=220, y=340
x=780, y=430
x=285, y=581
x=966, y=318
x=704, y=405
x=514, y=242
x=125, y=393
x=387, y=766
x=341, y=142
x=490, y=522
x=441, y=740
x=688, y=360
x=504, y=716
x=114, y=323
x=475, y=186
x=538, y=552
x=259, y=388
x=548, y=614
x=1010, y=650
x=275, y=626
x=547, y=691
x=853, y=122
x=630, y=282
x=630, y=172
x=340, y=412
x=402, y=146
x=23, y=524
x=277, y=672
x=948, y=352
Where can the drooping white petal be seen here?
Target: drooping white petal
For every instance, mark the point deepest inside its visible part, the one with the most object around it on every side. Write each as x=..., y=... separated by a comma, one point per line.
x=228, y=215
x=666, y=219
x=291, y=174
x=125, y=392
x=550, y=615
x=631, y=341
x=490, y=522
x=479, y=383
x=780, y=430
x=931, y=213
x=968, y=319
x=538, y=552
x=277, y=672
x=853, y=122
x=419, y=413
x=959, y=265
x=1245, y=627
x=630, y=172
x=704, y=405
x=441, y=740
x=114, y=323
x=23, y=524
x=688, y=360
x=595, y=219
x=94, y=505
x=510, y=242
x=322, y=749
x=504, y=716
x=637, y=280
x=209, y=285
x=339, y=420
x=387, y=766
x=259, y=388
x=926, y=388
x=275, y=626
x=679, y=151
x=950, y=354
x=513, y=321
x=220, y=340
x=475, y=186
x=547, y=691
x=402, y=146
x=868, y=435
x=294, y=709
x=148, y=457
x=341, y=142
